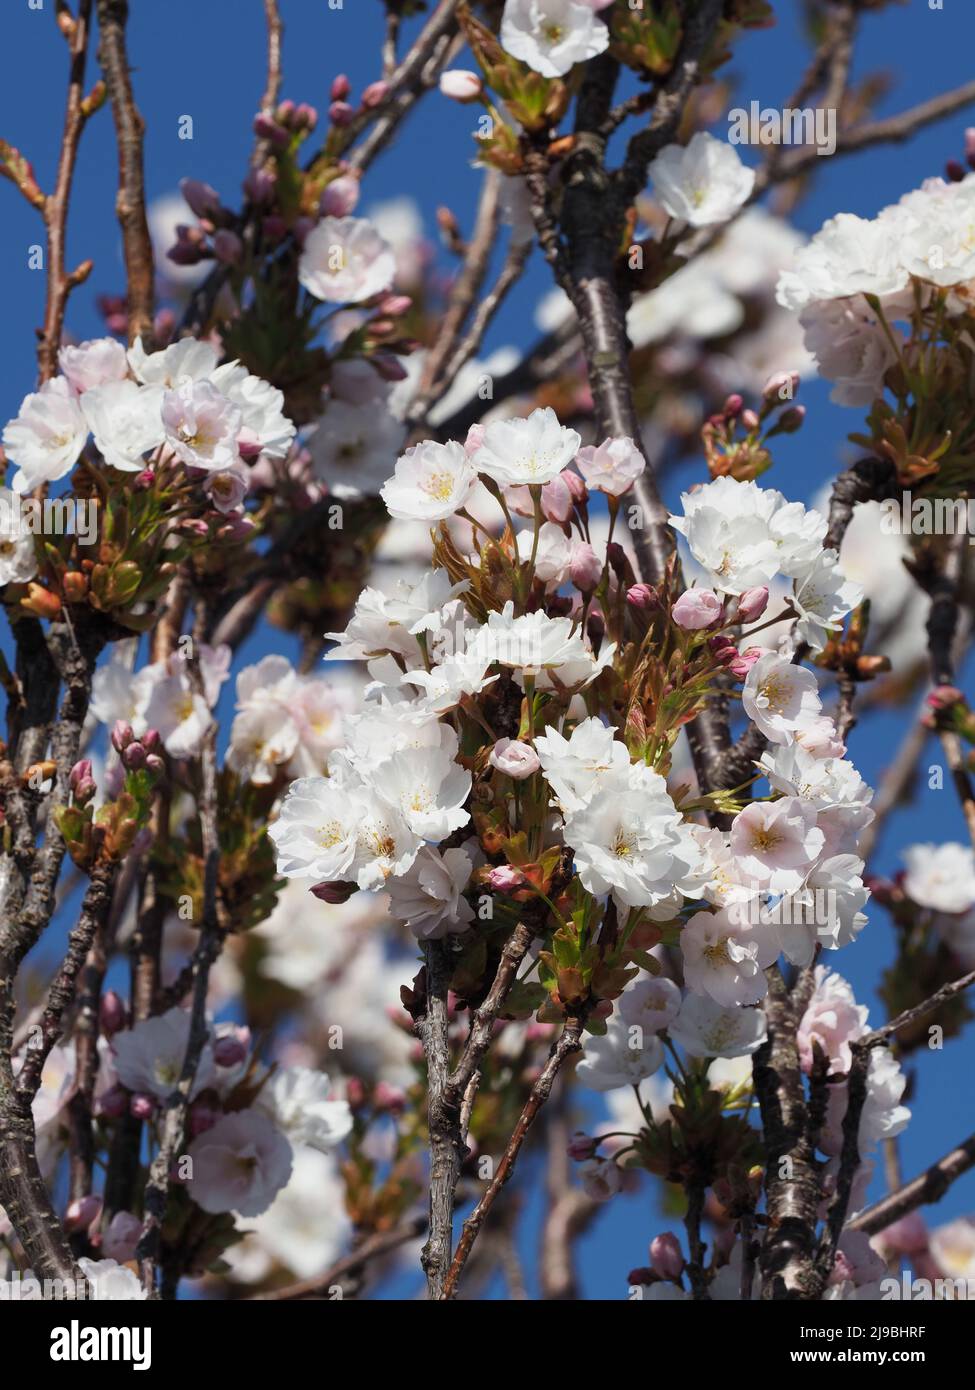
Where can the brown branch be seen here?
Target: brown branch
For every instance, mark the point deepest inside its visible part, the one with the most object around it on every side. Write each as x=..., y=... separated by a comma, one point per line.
x=486, y=1014
x=927, y=1188
x=792, y=1191
x=856, y=1098
x=443, y=1121
x=569, y=1041
x=94, y=911
x=275, y=36
x=463, y=293
x=60, y=281
x=156, y=1196
x=130, y=202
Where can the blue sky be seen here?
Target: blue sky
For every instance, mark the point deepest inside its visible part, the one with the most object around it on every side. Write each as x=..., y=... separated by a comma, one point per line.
x=205, y=58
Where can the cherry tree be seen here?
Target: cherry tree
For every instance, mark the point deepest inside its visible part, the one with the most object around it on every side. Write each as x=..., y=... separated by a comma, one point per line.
x=536, y=821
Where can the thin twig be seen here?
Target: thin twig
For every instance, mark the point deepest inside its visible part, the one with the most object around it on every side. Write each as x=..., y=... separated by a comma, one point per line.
x=130, y=202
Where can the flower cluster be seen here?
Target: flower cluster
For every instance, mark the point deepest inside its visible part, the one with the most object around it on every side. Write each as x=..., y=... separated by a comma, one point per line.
x=146, y=409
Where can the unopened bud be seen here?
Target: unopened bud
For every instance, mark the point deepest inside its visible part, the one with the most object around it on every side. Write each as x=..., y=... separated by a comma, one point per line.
x=504, y=878
x=111, y=1013
x=461, y=85
x=340, y=197
x=585, y=567
x=122, y=735
x=643, y=597
x=81, y=1213
x=141, y=1106
x=666, y=1256
x=336, y=892
x=581, y=1147
x=752, y=604
x=340, y=113
x=374, y=95
x=203, y=200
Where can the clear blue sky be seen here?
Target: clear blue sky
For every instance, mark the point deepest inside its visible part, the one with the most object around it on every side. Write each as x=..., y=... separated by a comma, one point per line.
x=205, y=58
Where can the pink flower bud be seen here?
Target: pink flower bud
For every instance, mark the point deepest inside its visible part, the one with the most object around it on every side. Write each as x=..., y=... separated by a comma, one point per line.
x=141, y=1106
x=474, y=441
x=305, y=117
x=387, y=1097
x=744, y=661
x=753, y=603
x=143, y=480
x=355, y=1092
x=514, y=759
x=585, y=567
x=336, y=892
x=267, y=128
x=81, y=1213
x=954, y=171
x=81, y=772
x=733, y=406
x=374, y=95
x=228, y=247
x=133, y=756
x=203, y=200
x=390, y=368
x=643, y=597
x=942, y=697
x=506, y=879
x=750, y=420
x=781, y=386
x=696, y=609
x=231, y=1049
x=581, y=1147
x=340, y=113
x=259, y=186
x=666, y=1256
x=791, y=420
x=394, y=305
x=155, y=764
x=340, y=197
x=190, y=247
x=556, y=500
x=341, y=87
x=576, y=485
x=122, y=734
x=461, y=85
x=111, y=1013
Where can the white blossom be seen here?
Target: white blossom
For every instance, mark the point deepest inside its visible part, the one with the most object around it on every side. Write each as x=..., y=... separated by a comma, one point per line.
x=345, y=260
x=531, y=451
x=126, y=422
x=780, y=697
x=240, y=1164
x=702, y=182
x=551, y=36
x=427, y=898
x=47, y=436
